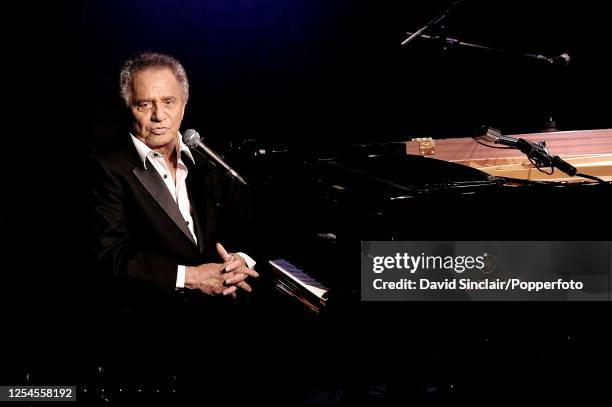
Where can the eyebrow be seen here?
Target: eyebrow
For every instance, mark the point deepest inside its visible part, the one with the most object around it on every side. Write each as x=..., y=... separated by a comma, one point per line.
x=150, y=100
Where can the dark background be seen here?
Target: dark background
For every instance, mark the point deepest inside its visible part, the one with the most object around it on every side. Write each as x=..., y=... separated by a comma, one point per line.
x=332, y=72
x=309, y=74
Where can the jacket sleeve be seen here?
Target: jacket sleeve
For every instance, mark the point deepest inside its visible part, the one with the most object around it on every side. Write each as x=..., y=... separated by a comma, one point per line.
x=111, y=248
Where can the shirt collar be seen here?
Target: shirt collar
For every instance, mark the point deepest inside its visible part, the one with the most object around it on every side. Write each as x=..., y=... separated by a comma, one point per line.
x=144, y=151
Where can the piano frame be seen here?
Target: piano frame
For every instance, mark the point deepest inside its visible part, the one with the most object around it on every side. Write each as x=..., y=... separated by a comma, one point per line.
x=590, y=151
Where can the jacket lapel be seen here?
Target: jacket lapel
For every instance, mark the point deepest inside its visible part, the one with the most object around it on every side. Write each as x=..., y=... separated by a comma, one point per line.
x=150, y=179
x=198, y=223
x=197, y=191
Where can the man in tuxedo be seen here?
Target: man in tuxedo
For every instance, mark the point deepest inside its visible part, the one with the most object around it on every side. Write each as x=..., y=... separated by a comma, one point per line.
x=163, y=216
x=167, y=230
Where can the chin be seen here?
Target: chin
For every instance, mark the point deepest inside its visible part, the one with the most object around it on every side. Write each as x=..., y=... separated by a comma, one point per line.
x=159, y=140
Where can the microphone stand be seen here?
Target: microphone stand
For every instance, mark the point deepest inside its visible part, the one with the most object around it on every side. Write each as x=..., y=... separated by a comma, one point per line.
x=456, y=42
x=562, y=60
x=437, y=19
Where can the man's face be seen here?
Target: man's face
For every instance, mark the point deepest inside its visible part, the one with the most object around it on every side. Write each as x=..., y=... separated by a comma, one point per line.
x=157, y=106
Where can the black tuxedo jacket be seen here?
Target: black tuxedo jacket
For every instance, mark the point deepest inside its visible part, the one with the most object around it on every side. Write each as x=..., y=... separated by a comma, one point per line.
x=140, y=236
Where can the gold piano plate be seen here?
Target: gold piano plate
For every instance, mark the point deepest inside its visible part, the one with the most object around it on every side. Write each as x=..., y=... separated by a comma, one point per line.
x=590, y=151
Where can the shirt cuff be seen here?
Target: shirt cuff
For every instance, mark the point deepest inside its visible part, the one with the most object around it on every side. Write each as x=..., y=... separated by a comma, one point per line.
x=180, y=276
x=248, y=260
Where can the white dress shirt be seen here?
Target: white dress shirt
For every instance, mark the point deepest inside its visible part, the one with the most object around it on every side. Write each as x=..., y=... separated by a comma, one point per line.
x=177, y=189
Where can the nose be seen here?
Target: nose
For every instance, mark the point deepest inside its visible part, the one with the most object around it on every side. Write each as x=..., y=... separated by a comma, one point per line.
x=158, y=114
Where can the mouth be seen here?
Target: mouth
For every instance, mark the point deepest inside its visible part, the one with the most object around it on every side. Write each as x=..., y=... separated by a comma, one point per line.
x=159, y=130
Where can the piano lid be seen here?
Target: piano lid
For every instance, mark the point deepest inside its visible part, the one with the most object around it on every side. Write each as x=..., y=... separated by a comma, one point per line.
x=409, y=171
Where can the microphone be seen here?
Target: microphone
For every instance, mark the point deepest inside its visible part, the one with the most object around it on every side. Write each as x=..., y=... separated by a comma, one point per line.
x=563, y=59
x=193, y=140
x=536, y=152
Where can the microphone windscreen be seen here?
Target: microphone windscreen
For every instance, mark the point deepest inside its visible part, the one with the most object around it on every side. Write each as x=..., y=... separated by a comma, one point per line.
x=566, y=57
x=563, y=59
x=191, y=137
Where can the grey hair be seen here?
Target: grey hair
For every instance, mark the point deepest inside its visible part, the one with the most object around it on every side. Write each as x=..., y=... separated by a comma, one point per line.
x=146, y=60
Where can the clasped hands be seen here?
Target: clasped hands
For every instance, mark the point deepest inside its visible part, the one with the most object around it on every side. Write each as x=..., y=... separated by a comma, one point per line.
x=220, y=278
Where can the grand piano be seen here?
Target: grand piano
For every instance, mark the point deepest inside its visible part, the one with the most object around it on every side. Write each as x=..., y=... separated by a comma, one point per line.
x=319, y=205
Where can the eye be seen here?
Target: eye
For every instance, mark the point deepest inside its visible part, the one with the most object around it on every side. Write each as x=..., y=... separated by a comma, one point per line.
x=143, y=105
x=169, y=101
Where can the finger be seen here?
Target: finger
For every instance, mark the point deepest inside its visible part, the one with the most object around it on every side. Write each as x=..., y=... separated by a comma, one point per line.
x=229, y=278
x=219, y=288
x=230, y=290
x=246, y=270
x=211, y=290
x=245, y=286
x=223, y=253
x=249, y=272
x=235, y=264
x=234, y=296
x=236, y=278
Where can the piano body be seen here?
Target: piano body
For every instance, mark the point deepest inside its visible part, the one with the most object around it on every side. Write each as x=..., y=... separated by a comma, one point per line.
x=329, y=202
x=316, y=208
